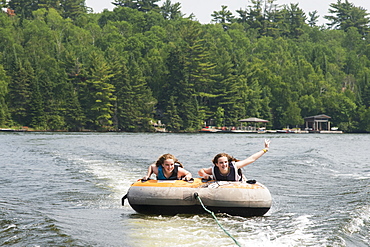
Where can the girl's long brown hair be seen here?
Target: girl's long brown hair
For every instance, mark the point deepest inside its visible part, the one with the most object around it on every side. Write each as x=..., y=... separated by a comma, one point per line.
x=229, y=158
x=164, y=157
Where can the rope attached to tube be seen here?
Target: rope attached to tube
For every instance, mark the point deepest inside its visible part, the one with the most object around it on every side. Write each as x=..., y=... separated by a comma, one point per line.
x=213, y=215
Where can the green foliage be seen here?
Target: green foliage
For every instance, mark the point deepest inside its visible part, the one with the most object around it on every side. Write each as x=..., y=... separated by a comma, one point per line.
x=171, y=11
x=4, y=113
x=62, y=68
x=66, y=8
x=219, y=117
x=98, y=93
x=224, y=16
x=140, y=5
x=347, y=15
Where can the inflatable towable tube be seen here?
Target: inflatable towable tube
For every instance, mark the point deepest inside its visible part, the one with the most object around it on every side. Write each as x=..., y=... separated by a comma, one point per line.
x=170, y=197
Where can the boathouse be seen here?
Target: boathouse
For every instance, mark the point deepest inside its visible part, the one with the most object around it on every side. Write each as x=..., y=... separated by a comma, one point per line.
x=317, y=123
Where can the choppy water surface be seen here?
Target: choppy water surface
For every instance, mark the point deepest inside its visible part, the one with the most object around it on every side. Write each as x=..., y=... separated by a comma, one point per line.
x=64, y=189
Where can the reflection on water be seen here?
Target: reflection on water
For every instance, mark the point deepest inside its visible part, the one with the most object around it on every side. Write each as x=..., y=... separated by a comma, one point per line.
x=65, y=189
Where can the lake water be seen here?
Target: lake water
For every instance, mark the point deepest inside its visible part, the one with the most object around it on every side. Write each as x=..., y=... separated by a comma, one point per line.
x=65, y=189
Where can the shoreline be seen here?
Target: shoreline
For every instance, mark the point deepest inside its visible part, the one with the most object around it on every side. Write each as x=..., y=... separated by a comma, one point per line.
x=200, y=131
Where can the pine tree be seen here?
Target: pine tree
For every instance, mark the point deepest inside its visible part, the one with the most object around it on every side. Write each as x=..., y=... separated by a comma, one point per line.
x=97, y=94
x=171, y=11
x=347, y=15
x=4, y=113
x=20, y=95
x=173, y=120
x=73, y=8
x=224, y=16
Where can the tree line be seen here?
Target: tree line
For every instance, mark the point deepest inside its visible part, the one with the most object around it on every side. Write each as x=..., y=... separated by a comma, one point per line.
x=63, y=67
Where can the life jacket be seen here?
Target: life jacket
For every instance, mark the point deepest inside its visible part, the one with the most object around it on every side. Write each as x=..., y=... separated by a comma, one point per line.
x=173, y=176
x=232, y=176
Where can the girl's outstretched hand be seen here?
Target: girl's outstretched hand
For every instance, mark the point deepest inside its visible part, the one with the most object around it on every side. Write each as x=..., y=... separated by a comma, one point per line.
x=267, y=143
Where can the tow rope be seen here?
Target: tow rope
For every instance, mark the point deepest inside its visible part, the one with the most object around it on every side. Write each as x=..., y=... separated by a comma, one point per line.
x=213, y=215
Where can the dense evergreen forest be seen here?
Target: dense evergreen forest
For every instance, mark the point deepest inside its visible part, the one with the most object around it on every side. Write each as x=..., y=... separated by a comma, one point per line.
x=63, y=67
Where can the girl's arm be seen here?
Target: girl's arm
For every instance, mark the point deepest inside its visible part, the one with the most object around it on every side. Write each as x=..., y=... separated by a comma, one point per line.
x=205, y=172
x=254, y=157
x=150, y=172
x=186, y=175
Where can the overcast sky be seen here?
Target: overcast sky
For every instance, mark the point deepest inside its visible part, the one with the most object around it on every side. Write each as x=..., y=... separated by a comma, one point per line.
x=202, y=9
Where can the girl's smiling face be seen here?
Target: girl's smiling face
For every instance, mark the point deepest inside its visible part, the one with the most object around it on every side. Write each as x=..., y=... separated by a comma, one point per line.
x=223, y=165
x=168, y=165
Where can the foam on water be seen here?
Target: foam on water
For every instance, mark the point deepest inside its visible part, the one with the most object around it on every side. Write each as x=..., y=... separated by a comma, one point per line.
x=359, y=223
x=202, y=231
x=109, y=176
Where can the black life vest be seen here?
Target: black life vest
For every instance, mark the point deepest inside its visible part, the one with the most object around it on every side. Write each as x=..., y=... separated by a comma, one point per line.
x=232, y=176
